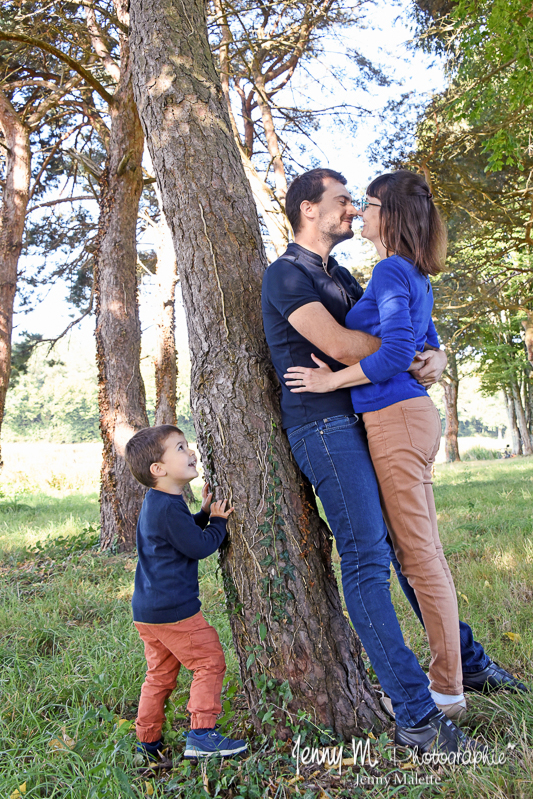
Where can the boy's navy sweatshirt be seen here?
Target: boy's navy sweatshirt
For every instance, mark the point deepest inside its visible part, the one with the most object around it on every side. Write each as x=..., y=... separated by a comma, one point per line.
x=170, y=542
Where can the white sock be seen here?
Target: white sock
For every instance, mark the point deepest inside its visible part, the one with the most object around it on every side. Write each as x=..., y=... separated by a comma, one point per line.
x=446, y=699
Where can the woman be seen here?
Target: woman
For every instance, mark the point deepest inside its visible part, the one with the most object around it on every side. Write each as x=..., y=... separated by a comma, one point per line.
x=402, y=424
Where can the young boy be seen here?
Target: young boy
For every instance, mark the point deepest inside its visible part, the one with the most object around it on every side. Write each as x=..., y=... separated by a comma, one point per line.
x=166, y=607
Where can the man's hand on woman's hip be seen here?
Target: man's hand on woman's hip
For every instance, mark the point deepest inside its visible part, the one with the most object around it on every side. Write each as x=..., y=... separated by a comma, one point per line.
x=428, y=367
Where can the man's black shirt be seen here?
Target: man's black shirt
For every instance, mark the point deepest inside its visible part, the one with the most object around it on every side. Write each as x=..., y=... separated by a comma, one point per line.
x=296, y=279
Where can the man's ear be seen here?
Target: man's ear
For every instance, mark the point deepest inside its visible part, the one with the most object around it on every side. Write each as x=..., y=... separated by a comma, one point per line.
x=307, y=209
x=157, y=470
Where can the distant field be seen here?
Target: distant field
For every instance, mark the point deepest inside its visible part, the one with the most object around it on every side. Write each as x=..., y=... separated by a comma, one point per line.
x=469, y=442
x=78, y=465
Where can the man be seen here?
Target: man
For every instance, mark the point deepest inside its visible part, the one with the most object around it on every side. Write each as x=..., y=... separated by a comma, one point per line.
x=306, y=296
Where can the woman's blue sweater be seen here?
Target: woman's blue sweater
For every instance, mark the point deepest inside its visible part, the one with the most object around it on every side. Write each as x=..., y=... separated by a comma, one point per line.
x=396, y=306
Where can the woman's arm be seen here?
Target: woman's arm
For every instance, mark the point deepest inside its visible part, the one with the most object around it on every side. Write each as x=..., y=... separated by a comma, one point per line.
x=391, y=290
x=323, y=379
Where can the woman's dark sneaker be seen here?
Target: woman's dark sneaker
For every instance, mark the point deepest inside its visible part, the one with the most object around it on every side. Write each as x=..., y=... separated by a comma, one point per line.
x=492, y=678
x=440, y=734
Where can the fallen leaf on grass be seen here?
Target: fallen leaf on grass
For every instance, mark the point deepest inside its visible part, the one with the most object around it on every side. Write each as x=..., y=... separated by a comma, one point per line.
x=513, y=637
x=298, y=778
x=463, y=596
x=486, y=584
x=59, y=745
x=409, y=766
x=149, y=788
x=17, y=793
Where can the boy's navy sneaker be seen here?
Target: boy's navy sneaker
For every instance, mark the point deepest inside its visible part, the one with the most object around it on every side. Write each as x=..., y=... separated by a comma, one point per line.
x=212, y=743
x=152, y=749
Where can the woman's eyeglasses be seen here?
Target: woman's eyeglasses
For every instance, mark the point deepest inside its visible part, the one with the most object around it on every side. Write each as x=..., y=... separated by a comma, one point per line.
x=363, y=204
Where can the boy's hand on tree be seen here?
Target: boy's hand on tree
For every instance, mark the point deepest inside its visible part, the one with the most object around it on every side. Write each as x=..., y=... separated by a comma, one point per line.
x=219, y=509
x=207, y=496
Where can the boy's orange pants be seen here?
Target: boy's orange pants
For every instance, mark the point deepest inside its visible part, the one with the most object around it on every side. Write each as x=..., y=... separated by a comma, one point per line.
x=194, y=644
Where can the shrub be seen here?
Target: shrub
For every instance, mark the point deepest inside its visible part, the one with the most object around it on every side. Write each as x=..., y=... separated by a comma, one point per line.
x=480, y=454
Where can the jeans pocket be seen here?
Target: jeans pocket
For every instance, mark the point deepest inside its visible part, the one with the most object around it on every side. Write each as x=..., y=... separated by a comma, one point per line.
x=301, y=456
x=424, y=429
x=333, y=423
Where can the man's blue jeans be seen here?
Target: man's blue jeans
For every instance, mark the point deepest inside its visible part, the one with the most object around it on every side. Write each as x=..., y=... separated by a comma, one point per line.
x=333, y=455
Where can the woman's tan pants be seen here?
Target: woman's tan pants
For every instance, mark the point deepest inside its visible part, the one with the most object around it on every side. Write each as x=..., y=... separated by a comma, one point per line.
x=403, y=440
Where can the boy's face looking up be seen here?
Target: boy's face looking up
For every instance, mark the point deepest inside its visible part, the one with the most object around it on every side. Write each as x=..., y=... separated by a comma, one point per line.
x=177, y=466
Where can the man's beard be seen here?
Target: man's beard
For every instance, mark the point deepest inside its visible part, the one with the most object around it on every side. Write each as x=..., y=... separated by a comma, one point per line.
x=334, y=235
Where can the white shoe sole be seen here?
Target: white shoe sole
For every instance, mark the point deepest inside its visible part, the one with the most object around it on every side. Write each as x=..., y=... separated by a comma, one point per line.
x=194, y=754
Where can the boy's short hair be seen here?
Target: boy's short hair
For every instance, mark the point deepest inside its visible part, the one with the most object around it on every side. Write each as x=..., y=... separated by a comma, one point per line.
x=146, y=447
x=308, y=186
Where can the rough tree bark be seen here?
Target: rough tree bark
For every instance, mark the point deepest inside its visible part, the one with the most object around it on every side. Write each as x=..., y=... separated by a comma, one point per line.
x=16, y=192
x=450, y=384
x=284, y=606
x=118, y=333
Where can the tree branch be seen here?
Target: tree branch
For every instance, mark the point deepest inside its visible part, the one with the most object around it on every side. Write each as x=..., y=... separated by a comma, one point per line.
x=71, y=62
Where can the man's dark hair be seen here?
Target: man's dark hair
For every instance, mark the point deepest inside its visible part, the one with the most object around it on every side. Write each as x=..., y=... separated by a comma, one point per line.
x=310, y=187
x=409, y=222
x=146, y=447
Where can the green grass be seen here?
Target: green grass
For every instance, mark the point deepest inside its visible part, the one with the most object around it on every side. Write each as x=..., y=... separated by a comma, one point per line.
x=73, y=663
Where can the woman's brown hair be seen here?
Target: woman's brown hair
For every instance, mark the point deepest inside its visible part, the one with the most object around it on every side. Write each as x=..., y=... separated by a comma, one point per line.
x=410, y=224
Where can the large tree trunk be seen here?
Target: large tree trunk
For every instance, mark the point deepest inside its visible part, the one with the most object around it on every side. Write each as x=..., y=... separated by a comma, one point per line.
x=118, y=333
x=450, y=384
x=527, y=449
x=12, y=217
x=285, y=611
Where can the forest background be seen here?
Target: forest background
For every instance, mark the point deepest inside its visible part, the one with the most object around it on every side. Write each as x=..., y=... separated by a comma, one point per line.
x=55, y=264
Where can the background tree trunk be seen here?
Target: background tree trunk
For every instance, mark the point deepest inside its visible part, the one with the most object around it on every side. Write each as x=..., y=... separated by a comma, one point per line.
x=16, y=192
x=527, y=324
x=118, y=333
x=513, y=427
x=165, y=356
x=450, y=384
x=527, y=449
x=294, y=644
x=272, y=213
